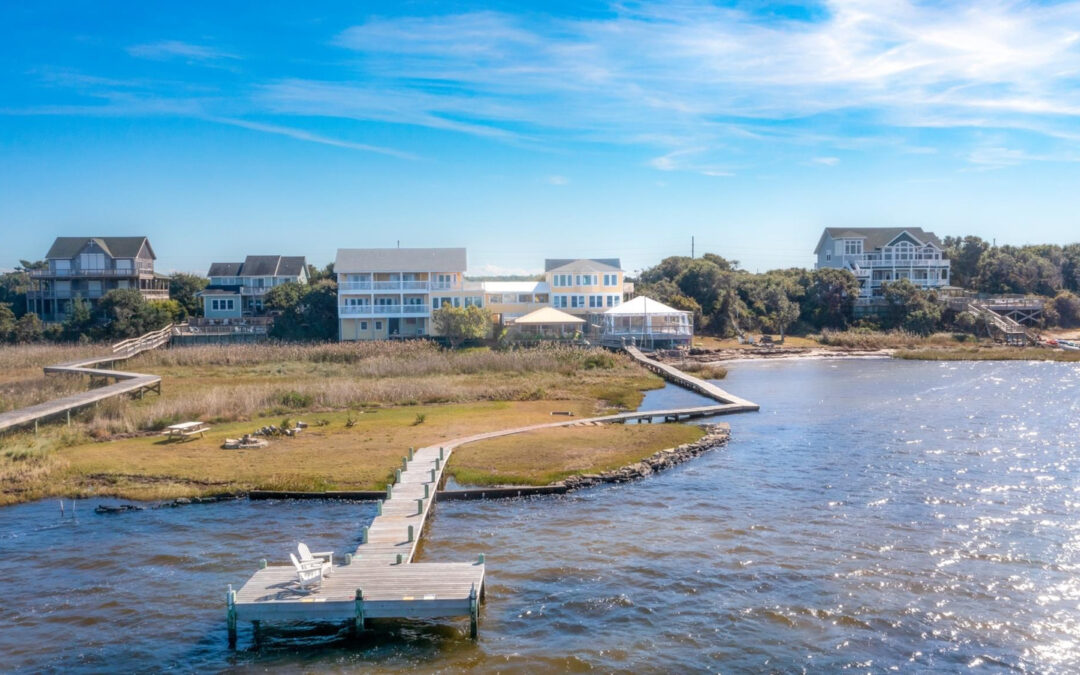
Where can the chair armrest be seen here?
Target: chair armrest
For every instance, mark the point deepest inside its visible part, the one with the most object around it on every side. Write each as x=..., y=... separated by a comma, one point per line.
x=311, y=565
x=329, y=555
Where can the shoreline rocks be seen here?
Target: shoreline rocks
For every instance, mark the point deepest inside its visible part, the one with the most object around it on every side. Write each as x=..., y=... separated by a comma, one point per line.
x=716, y=435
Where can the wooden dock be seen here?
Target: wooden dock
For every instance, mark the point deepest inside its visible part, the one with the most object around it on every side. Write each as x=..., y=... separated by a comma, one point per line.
x=125, y=382
x=380, y=579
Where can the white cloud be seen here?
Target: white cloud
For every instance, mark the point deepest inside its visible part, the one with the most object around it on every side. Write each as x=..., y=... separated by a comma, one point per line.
x=174, y=49
x=303, y=135
x=825, y=161
x=557, y=180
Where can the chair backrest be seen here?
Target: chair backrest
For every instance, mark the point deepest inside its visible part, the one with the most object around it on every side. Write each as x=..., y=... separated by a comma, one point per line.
x=296, y=563
x=305, y=552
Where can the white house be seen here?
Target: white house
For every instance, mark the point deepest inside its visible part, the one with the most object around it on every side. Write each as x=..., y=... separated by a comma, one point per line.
x=881, y=254
x=384, y=292
x=237, y=289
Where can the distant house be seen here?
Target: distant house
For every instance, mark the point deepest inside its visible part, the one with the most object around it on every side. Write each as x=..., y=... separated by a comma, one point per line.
x=585, y=285
x=647, y=323
x=391, y=292
x=90, y=267
x=509, y=300
x=876, y=255
x=237, y=290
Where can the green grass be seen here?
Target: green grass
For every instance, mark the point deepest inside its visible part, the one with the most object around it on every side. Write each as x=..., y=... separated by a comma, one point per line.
x=988, y=354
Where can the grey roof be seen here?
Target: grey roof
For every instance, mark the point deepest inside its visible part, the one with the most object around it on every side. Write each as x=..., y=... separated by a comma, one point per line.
x=400, y=260
x=553, y=263
x=260, y=266
x=219, y=290
x=116, y=247
x=876, y=237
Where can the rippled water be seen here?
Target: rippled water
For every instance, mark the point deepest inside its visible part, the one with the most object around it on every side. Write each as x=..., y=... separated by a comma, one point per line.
x=875, y=514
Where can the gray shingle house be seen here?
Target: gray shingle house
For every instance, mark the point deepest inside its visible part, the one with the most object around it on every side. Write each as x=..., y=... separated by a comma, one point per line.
x=881, y=254
x=237, y=290
x=90, y=267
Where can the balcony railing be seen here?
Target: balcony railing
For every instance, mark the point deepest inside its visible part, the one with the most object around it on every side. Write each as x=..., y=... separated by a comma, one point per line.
x=889, y=260
x=349, y=286
x=383, y=310
x=92, y=294
x=130, y=272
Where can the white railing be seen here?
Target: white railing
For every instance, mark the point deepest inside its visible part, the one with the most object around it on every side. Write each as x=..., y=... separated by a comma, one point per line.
x=144, y=342
x=890, y=260
x=382, y=310
x=384, y=286
x=112, y=272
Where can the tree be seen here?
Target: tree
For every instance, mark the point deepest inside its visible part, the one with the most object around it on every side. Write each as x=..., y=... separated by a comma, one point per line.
x=782, y=312
x=829, y=301
x=458, y=324
x=79, y=322
x=183, y=288
x=964, y=255
x=1067, y=307
x=306, y=312
x=911, y=308
x=283, y=297
x=28, y=329
x=7, y=322
x=127, y=313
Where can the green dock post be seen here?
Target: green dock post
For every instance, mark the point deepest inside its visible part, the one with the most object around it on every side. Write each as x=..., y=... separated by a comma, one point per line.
x=262, y=563
x=433, y=475
x=363, y=535
x=358, y=620
x=230, y=604
x=480, y=559
x=398, y=558
x=389, y=491
x=348, y=558
x=474, y=613
x=436, y=463
x=441, y=455
x=410, y=533
x=410, y=454
x=378, y=507
x=397, y=476
x=426, y=492
x=404, y=463
x=419, y=506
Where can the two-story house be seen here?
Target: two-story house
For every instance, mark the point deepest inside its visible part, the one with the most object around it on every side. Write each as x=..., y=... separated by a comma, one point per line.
x=876, y=255
x=585, y=287
x=384, y=292
x=237, y=290
x=90, y=267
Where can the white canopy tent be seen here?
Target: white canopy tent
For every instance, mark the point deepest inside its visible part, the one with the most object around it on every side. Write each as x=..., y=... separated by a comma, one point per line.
x=547, y=322
x=648, y=323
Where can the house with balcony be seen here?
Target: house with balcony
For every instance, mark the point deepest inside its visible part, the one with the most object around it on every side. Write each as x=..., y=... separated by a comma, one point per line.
x=877, y=255
x=510, y=300
x=90, y=267
x=237, y=290
x=391, y=292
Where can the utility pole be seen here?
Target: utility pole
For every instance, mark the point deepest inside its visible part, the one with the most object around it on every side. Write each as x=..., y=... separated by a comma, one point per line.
x=691, y=246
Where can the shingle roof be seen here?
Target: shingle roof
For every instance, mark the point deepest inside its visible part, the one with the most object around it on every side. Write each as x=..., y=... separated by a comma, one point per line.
x=555, y=263
x=116, y=247
x=400, y=260
x=547, y=315
x=260, y=266
x=876, y=237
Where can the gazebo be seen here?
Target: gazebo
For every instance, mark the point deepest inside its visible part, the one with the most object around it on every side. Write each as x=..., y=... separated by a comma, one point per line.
x=546, y=323
x=647, y=323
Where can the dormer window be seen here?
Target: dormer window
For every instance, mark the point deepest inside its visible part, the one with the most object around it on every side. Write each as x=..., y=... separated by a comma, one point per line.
x=852, y=246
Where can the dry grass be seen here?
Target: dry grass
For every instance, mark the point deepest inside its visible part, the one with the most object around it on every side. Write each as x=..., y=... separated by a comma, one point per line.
x=550, y=455
x=790, y=341
x=15, y=394
x=706, y=371
x=865, y=340
x=334, y=456
x=22, y=363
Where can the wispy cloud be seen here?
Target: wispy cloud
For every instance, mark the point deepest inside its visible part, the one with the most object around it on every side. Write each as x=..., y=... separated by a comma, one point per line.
x=303, y=135
x=175, y=49
x=557, y=180
x=825, y=161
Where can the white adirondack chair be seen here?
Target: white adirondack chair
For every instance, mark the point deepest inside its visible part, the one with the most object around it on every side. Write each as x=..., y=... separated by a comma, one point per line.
x=324, y=558
x=307, y=574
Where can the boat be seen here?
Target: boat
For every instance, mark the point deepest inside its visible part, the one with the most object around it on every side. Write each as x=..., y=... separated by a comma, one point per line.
x=1066, y=344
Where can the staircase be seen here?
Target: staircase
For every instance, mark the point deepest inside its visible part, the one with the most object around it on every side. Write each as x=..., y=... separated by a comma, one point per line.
x=1001, y=327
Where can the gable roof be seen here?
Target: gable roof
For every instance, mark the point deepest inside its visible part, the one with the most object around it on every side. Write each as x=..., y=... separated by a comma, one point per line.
x=116, y=247
x=643, y=305
x=400, y=260
x=261, y=266
x=876, y=237
x=555, y=263
x=546, y=315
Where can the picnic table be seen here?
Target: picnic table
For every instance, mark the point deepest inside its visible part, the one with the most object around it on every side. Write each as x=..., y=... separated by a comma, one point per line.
x=185, y=430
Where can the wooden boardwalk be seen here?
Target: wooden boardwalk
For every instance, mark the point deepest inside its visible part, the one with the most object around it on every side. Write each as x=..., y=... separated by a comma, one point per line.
x=380, y=579
x=125, y=382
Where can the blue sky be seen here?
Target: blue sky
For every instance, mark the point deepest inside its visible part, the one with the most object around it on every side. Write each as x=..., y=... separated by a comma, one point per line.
x=524, y=131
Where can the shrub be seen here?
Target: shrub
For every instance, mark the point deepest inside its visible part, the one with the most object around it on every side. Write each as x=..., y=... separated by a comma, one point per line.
x=294, y=399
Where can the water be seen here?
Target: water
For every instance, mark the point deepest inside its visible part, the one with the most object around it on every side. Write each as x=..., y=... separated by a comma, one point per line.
x=875, y=515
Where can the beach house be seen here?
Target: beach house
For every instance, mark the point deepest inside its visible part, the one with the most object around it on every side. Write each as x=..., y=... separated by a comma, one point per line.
x=391, y=292
x=90, y=267
x=876, y=255
x=237, y=289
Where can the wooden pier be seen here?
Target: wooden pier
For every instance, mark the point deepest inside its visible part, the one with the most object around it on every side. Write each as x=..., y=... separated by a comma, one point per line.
x=380, y=579
x=135, y=384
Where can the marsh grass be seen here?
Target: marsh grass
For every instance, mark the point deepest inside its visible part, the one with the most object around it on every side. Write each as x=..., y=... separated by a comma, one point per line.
x=547, y=456
x=989, y=354
x=858, y=339
x=706, y=371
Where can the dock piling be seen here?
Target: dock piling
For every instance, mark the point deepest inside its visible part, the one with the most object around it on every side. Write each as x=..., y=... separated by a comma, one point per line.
x=411, y=535
x=419, y=507
x=474, y=613
x=363, y=535
x=230, y=605
x=358, y=621
x=262, y=563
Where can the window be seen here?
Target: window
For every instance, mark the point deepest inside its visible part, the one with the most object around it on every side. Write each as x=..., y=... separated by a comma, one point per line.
x=524, y=297
x=363, y=325
x=384, y=302
x=596, y=301
x=124, y=264
x=613, y=300
x=474, y=301
x=611, y=279
x=562, y=280
x=828, y=256
x=92, y=261
x=494, y=299
x=559, y=301
x=852, y=246
x=378, y=325
x=577, y=301
x=62, y=265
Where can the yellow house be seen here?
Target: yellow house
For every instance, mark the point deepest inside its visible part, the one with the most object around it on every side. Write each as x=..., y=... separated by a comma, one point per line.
x=508, y=300
x=586, y=286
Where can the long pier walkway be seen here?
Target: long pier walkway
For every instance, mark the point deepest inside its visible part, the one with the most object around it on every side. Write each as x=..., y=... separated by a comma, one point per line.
x=380, y=579
x=125, y=382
